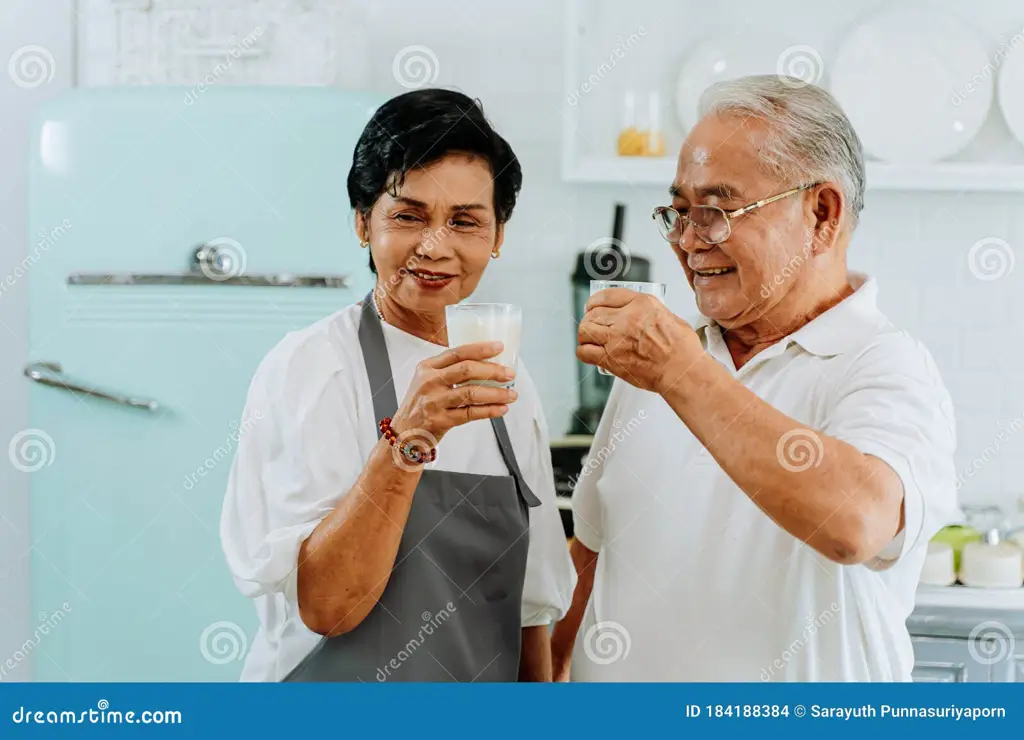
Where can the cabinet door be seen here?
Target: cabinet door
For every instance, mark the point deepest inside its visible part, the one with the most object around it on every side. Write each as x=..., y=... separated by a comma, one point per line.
x=1011, y=669
x=943, y=660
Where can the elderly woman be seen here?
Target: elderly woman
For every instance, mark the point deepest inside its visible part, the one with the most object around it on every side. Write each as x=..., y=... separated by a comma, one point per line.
x=767, y=516
x=390, y=521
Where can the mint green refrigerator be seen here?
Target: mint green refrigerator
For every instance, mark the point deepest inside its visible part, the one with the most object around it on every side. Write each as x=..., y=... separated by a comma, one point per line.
x=177, y=236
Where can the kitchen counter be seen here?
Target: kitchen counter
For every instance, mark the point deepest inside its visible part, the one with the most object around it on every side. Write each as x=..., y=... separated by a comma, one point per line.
x=954, y=611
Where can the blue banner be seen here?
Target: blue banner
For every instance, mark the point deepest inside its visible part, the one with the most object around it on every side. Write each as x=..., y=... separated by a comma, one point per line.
x=588, y=711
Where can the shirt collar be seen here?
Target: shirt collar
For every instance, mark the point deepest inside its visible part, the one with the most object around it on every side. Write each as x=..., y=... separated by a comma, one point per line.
x=844, y=327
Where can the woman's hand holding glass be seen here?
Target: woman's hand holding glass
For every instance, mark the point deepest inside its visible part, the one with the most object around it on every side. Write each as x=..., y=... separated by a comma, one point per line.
x=439, y=399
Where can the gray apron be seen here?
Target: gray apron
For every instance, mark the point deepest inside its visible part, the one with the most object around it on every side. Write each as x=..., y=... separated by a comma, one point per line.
x=451, y=610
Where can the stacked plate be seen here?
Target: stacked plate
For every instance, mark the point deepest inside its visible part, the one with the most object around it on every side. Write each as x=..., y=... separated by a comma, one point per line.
x=726, y=58
x=913, y=83
x=916, y=84
x=1010, y=58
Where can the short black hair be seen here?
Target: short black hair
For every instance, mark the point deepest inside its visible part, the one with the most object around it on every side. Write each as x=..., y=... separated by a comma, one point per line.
x=419, y=128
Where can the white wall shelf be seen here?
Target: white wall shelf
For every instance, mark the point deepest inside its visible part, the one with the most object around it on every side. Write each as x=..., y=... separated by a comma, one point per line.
x=955, y=177
x=648, y=58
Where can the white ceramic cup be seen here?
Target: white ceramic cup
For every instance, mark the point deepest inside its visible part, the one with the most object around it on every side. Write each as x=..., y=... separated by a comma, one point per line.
x=655, y=289
x=487, y=322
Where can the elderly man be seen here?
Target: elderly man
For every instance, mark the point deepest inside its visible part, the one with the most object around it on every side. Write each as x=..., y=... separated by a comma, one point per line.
x=763, y=485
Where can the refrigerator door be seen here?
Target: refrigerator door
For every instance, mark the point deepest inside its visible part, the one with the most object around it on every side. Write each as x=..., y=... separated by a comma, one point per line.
x=132, y=439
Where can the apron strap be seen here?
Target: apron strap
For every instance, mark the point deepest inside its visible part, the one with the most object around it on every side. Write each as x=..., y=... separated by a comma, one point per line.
x=501, y=432
x=385, y=400
x=378, y=365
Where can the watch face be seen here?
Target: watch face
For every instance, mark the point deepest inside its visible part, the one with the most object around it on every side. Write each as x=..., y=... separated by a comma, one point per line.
x=410, y=453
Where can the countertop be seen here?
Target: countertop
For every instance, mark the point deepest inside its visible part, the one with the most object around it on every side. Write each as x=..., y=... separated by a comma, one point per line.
x=955, y=611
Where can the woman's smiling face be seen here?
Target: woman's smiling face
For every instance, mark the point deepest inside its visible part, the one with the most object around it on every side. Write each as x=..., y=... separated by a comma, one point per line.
x=432, y=239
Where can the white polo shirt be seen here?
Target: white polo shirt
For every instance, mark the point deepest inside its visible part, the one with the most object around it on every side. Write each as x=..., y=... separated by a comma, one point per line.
x=695, y=583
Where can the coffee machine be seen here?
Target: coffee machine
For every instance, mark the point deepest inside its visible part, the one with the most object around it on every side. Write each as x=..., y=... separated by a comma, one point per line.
x=605, y=259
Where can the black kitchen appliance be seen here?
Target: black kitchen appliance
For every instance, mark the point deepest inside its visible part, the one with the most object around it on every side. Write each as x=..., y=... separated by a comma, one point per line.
x=604, y=259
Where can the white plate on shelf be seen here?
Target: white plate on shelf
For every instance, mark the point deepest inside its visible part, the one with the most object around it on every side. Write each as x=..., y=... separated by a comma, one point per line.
x=908, y=79
x=1011, y=92
x=728, y=57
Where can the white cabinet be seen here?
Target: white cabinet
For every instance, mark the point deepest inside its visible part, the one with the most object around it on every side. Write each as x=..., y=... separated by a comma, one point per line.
x=953, y=660
x=967, y=634
x=947, y=660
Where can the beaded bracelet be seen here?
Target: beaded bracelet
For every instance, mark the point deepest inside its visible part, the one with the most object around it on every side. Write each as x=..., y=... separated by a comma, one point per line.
x=408, y=450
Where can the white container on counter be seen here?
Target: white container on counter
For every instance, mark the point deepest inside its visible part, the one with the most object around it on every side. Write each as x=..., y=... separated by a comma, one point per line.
x=999, y=565
x=938, y=567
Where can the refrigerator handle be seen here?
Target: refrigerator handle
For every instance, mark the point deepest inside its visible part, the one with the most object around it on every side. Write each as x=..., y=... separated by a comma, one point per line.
x=52, y=374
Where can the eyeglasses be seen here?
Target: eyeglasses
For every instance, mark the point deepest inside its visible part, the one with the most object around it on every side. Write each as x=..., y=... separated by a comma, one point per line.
x=711, y=224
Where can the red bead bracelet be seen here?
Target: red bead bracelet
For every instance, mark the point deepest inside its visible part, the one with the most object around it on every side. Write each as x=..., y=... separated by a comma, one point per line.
x=407, y=449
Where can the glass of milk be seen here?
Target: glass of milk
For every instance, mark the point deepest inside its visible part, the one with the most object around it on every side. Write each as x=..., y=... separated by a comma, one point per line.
x=487, y=322
x=655, y=289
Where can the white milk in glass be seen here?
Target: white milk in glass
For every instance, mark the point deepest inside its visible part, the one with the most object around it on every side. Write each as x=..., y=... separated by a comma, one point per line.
x=469, y=323
x=655, y=289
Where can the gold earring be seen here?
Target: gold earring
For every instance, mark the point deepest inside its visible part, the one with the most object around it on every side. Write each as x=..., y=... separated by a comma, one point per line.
x=496, y=253
x=364, y=245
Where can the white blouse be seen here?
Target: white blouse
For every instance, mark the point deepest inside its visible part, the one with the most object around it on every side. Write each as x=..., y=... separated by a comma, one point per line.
x=307, y=431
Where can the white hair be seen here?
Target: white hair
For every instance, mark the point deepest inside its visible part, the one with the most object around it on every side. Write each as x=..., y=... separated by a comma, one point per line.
x=809, y=135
